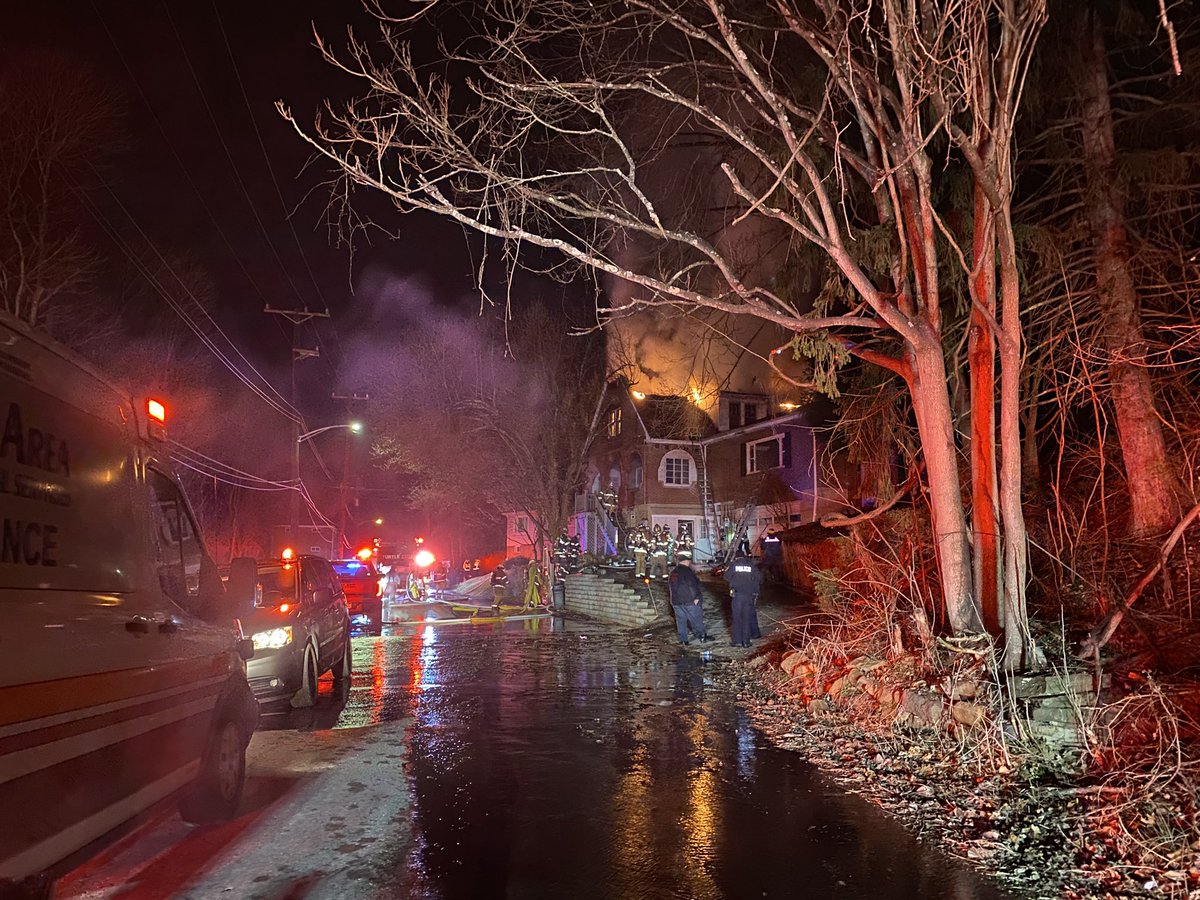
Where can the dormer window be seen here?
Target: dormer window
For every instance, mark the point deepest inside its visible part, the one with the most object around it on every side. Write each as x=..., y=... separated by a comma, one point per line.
x=743, y=412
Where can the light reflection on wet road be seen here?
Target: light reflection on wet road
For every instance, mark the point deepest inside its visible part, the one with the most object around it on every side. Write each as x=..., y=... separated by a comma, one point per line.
x=585, y=764
x=526, y=760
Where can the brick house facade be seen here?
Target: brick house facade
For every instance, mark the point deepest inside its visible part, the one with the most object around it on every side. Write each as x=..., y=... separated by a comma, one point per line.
x=670, y=462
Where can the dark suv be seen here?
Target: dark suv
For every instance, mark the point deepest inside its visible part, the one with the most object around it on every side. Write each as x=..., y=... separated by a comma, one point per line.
x=360, y=581
x=300, y=628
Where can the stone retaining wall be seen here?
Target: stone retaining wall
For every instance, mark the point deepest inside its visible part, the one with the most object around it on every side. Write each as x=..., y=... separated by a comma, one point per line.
x=598, y=597
x=1053, y=709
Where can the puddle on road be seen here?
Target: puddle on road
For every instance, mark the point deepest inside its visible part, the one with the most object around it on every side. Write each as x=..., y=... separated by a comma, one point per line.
x=573, y=762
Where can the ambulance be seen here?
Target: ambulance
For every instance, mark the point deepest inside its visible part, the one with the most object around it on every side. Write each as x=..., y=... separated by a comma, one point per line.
x=122, y=665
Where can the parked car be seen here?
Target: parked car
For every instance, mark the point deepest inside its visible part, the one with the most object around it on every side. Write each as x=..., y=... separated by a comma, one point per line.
x=300, y=628
x=122, y=673
x=360, y=580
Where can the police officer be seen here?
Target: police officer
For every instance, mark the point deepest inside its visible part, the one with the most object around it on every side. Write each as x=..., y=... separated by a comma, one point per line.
x=745, y=581
x=685, y=591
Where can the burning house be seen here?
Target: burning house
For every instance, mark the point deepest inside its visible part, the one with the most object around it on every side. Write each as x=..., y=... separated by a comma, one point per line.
x=746, y=465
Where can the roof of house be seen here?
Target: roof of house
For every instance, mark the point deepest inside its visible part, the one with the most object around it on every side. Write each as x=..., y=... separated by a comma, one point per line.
x=674, y=418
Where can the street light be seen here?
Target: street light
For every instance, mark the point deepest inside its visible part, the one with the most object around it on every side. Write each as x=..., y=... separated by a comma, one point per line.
x=356, y=427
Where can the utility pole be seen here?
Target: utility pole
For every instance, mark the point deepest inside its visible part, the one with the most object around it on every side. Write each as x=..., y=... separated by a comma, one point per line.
x=343, y=498
x=297, y=317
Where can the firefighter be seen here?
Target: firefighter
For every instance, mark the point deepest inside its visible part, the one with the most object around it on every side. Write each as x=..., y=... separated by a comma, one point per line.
x=659, y=541
x=533, y=585
x=573, y=553
x=745, y=581
x=608, y=501
x=639, y=541
x=772, y=553
x=499, y=587
x=561, y=554
x=414, y=588
x=684, y=543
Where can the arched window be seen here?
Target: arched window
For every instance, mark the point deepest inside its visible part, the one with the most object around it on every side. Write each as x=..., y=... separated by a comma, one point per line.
x=635, y=471
x=596, y=485
x=677, y=469
x=614, y=477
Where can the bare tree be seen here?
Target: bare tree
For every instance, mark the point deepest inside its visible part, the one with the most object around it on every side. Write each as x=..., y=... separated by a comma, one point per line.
x=824, y=119
x=484, y=422
x=1111, y=221
x=58, y=122
x=1154, y=491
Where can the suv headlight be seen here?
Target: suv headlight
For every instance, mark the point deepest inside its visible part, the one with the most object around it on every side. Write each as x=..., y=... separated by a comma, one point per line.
x=273, y=639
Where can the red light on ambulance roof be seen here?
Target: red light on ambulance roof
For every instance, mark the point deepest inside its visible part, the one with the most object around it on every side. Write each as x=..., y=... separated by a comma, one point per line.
x=424, y=558
x=364, y=554
x=284, y=607
x=288, y=553
x=157, y=411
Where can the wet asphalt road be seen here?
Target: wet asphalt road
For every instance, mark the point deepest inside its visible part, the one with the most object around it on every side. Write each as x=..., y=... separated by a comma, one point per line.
x=535, y=759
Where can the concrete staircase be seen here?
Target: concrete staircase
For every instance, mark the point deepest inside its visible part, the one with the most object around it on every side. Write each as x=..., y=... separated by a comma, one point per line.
x=617, y=600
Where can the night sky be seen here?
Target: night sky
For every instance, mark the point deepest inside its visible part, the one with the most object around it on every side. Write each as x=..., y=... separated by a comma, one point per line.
x=197, y=83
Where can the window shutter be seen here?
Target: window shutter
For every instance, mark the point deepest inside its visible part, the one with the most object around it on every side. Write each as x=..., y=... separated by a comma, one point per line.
x=787, y=449
x=743, y=457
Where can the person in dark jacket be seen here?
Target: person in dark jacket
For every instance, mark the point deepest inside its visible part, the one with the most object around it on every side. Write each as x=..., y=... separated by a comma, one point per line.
x=685, y=602
x=745, y=581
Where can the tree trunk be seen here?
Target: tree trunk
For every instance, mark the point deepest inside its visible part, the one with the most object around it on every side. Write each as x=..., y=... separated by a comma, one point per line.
x=1151, y=479
x=981, y=353
x=1020, y=652
x=935, y=424
x=1031, y=467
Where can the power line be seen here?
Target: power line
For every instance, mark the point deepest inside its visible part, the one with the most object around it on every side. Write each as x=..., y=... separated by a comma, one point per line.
x=228, y=154
x=278, y=191
x=288, y=411
x=201, y=458
x=175, y=153
x=234, y=484
x=281, y=405
x=267, y=158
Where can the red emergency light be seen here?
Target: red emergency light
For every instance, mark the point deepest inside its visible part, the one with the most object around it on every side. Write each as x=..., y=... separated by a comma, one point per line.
x=157, y=411
x=288, y=554
x=424, y=559
x=365, y=553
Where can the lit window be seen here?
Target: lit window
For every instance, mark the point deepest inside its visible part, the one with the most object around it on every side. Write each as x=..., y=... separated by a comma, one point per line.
x=765, y=454
x=614, y=421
